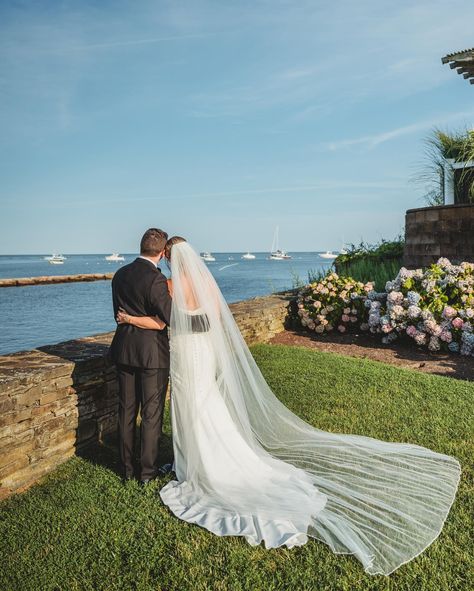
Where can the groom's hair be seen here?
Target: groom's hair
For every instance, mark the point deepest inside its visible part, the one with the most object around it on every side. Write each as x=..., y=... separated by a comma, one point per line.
x=153, y=242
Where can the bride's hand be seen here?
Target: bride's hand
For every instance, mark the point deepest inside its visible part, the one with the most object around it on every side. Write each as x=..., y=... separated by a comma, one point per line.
x=122, y=317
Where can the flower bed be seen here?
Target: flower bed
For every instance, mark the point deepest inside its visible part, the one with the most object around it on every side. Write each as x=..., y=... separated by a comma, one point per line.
x=334, y=302
x=432, y=307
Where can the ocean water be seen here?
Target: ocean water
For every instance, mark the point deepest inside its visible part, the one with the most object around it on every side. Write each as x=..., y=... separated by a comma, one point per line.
x=45, y=314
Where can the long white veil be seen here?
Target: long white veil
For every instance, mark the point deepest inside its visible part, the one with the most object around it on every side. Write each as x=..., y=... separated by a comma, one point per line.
x=383, y=502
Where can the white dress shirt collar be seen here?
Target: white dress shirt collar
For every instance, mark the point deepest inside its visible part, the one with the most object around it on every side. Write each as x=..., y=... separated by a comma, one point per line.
x=147, y=259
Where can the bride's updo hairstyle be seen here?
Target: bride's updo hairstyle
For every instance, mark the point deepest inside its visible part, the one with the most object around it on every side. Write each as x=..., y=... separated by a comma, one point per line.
x=170, y=243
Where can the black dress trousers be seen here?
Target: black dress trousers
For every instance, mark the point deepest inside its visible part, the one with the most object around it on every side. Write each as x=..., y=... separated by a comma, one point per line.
x=143, y=389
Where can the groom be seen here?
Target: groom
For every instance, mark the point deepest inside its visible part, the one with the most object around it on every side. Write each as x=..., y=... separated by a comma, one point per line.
x=142, y=356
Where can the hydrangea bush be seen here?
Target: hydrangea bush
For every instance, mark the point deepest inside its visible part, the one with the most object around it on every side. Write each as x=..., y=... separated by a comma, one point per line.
x=433, y=307
x=333, y=303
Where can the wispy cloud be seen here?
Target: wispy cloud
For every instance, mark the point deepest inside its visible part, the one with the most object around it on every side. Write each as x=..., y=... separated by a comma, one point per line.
x=296, y=189
x=126, y=43
x=394, y=53
x=371, y=141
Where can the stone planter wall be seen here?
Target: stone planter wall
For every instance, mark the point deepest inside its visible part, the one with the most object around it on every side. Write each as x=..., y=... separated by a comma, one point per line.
x=57, y=399
x=442, y=231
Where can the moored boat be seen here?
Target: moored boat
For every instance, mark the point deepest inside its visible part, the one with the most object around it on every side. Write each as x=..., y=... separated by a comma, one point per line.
x=115, y=257
x=207, y=256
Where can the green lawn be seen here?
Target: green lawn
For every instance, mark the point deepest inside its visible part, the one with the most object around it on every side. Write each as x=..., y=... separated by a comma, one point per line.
x=82, y=529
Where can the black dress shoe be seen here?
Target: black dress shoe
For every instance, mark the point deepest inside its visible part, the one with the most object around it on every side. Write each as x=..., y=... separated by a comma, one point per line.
x=165, y=469
x=145, y=481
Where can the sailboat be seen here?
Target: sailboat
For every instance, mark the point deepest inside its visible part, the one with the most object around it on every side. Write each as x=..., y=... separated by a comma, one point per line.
x=276, y=253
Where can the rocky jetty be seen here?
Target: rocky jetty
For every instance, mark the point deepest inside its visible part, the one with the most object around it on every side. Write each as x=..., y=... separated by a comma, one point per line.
x=47, y=279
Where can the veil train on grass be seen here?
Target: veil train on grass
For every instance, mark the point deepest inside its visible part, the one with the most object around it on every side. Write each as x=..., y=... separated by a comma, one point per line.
x=246, y=465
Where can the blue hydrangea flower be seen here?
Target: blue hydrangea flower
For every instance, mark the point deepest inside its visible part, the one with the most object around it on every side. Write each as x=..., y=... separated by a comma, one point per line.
x=413, y=298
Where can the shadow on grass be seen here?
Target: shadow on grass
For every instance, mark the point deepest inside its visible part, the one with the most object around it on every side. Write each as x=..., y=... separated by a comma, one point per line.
x=105, y=453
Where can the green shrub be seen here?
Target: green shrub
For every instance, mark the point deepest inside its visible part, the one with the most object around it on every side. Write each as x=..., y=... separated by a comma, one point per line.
x=378, y=263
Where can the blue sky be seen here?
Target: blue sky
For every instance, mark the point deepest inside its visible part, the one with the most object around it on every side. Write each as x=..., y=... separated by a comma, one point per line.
x=218, y=120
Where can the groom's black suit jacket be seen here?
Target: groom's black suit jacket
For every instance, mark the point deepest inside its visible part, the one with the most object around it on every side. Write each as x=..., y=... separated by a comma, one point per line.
x=140, y=288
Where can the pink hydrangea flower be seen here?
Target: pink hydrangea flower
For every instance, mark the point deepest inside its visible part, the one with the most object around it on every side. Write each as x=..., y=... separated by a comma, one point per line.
x=432, y=327
x=449, y=312
x=395, y=297
x=345, y=318
x=457, y=323
x=420, y=338
x=341, y=328
x=446, y=336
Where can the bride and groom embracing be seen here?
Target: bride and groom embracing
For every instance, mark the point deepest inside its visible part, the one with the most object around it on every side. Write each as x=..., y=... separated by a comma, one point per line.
x=245, y=465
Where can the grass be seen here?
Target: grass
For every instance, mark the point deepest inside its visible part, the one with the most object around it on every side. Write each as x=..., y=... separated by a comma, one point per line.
x=81, y=529
x=378, y=271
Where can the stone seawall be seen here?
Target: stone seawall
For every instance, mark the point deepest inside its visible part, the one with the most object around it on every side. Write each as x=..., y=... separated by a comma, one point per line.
x=57, y=399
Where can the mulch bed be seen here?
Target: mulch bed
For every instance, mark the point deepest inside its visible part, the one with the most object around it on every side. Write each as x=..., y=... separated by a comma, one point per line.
x=367, y=347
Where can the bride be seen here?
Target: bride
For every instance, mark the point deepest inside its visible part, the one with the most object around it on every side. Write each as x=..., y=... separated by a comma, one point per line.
x=247, y=466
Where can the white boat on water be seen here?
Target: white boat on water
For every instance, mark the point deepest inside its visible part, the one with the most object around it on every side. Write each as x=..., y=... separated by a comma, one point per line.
x=328, y=255
x=279, y=255
x=343, y=251
x=55, y=258
x=248, y=256
x=115, y=257
x=207, y=256
x=276, y=253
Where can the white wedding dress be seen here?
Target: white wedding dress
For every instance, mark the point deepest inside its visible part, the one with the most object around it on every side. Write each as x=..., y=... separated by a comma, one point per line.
x=247, y=466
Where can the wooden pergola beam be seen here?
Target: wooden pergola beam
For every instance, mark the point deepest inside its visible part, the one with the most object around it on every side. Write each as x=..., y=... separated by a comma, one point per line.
x=462, y=62
x=457, y=56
